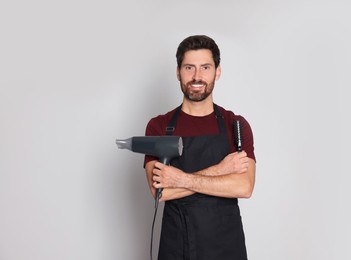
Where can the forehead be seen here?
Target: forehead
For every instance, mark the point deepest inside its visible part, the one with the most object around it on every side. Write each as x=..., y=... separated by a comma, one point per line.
x=202, y=56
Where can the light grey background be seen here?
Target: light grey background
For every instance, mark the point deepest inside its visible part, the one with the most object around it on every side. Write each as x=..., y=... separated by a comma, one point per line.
x=76, y=75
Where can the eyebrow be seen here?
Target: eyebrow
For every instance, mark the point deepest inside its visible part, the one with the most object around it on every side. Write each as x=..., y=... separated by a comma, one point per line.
x=202, y=65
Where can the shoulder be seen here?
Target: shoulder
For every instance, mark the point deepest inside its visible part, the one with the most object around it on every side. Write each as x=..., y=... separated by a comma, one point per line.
x=229, y=116
x=163, y=118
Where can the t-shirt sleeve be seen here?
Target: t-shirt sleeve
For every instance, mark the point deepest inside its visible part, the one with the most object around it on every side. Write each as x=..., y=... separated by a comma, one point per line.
x=247, y=138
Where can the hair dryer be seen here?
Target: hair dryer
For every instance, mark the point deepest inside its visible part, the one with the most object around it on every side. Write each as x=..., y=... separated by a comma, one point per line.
x=163, y=147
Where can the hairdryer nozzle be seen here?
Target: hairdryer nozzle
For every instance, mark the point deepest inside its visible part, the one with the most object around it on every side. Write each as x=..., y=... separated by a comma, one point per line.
x=124, y=143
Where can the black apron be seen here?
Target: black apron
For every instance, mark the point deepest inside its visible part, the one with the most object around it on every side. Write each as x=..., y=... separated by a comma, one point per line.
x=202, y=227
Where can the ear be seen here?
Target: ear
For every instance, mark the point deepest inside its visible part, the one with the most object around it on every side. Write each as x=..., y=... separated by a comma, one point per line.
x=218, y=72
x=178, y=74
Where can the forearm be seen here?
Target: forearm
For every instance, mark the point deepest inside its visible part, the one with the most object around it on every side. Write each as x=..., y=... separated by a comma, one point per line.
x=210, y=171
x=230, y=186
x=175, y=193
x=232, y=163
x=233, y=185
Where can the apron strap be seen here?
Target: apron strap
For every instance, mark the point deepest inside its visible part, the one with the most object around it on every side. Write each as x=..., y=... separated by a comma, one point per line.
x=172, y=123
x=220, y=120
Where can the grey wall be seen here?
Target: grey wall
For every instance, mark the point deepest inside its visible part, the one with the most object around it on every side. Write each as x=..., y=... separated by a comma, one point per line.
x=76, y=75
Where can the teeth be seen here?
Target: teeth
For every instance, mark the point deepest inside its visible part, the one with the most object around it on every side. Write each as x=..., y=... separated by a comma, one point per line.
x=197, y=85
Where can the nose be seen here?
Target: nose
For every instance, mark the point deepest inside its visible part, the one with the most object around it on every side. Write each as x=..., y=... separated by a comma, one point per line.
x=197, y=74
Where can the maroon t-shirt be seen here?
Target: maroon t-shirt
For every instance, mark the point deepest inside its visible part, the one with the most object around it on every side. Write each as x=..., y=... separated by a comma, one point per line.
x=188, y=125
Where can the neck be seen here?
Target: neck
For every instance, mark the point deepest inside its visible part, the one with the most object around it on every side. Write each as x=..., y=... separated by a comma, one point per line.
x=202, y=108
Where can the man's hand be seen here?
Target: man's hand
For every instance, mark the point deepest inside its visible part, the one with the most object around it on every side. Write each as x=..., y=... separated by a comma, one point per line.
x=165, y=176
x=167, y=193
x=233, y=163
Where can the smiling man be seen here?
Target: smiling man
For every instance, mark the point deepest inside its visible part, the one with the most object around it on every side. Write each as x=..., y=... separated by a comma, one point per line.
x=197, y=80
x=201, y=218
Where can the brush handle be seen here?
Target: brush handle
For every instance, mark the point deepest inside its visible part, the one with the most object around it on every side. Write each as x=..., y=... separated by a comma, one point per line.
x=237, y=135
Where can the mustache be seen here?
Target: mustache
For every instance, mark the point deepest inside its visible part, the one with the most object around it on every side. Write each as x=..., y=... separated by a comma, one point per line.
x=196, y=82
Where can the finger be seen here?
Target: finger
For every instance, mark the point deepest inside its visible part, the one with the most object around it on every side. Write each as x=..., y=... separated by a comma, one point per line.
x=156, y=171
x=245, y=160
x=158, y=165
x=156, y=178
x=245, y=165
x=243, y=170
x=157, y=185
x=242, y=154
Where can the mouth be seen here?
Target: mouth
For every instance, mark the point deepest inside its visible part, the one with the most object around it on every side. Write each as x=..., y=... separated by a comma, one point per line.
x=196, y=85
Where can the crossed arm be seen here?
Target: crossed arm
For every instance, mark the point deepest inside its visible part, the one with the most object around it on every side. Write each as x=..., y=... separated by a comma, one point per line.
x=233, y=177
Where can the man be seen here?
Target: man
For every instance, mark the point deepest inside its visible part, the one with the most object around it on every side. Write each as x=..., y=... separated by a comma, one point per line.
x=201, y=218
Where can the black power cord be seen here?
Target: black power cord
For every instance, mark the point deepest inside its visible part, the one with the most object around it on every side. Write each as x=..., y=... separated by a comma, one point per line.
x=152, y=232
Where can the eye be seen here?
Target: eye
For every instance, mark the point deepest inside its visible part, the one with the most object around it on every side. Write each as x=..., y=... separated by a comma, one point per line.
x=189, y=68
x=206, y=67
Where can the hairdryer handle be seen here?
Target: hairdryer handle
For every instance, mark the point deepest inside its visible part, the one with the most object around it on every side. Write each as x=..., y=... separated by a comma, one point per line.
x=158, y=196
x=165, y=161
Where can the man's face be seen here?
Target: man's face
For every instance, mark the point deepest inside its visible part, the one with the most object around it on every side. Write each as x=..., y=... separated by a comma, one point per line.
x=197, y=74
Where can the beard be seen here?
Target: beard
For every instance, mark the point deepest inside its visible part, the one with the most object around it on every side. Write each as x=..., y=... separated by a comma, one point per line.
x=197, y=95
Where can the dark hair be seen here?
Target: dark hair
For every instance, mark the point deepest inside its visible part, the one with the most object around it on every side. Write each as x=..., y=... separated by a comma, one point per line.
x=197, y=42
